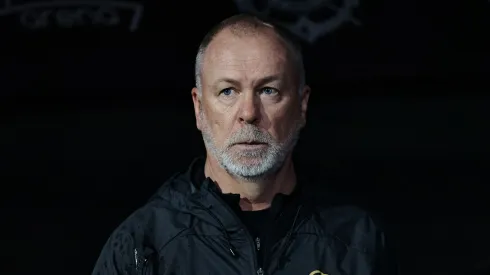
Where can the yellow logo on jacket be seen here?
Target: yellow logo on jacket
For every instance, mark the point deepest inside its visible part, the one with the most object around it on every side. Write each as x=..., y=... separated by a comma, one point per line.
x=317, y=272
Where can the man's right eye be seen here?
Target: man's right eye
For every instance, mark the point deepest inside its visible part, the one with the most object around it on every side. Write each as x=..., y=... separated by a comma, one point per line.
x=226, y=92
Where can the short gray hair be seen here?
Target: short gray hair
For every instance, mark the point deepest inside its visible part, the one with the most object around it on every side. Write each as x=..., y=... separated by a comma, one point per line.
x=245, y=24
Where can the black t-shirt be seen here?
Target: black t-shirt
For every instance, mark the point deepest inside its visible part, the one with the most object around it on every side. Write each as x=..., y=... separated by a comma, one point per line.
x=255, y=221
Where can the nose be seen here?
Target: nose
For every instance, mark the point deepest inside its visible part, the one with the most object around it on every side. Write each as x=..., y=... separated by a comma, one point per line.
x=249, y=109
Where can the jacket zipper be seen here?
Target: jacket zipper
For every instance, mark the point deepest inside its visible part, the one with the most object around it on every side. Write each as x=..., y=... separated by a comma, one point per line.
x=258, y=269
x=288, y=239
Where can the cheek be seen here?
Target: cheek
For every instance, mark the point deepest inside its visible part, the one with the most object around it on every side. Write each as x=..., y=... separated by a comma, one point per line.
x=219, y=124
x=283, y=123
x=279, y=129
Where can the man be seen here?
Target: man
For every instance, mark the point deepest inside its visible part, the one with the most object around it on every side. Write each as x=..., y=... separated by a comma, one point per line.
x=243, y=209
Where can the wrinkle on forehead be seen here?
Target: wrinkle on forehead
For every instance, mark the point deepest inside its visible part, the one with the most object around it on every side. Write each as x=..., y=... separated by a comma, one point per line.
x=245, y=54
x=231, y=62
x=250, y=65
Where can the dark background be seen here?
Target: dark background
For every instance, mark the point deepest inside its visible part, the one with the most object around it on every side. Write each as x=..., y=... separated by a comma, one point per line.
x=97, y=119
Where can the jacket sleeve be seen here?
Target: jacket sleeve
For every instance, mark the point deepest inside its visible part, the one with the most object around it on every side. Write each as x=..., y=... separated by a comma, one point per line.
x=118, y=256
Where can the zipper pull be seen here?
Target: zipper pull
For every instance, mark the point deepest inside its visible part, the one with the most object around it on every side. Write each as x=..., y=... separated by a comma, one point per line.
x=232, y=251
x=260, y=271
x=257, y=243
x=139, y=260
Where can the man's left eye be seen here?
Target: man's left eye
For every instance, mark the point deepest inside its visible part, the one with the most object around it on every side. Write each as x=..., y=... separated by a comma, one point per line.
x=269, y=91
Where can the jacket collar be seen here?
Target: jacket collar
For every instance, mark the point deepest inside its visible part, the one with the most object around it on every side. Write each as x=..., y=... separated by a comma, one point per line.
x=199, y=183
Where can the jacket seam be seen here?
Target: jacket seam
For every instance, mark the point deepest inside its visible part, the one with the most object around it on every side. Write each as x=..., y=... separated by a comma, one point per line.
x=171, y=239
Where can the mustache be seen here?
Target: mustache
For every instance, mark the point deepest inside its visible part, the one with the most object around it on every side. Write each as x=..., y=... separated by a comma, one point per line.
x=249, y=134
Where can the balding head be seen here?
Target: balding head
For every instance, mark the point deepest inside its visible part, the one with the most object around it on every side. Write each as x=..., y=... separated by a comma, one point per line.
x=245, y=25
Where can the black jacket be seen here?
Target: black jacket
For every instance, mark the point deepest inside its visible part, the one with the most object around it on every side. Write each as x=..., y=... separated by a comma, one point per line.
x=189, y=227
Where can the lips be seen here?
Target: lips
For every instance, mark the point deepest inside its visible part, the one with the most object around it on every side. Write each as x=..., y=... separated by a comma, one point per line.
x=251, y=143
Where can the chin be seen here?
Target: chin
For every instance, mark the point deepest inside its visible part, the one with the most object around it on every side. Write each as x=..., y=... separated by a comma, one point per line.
x=249, y=167
x=250, y=162
x=248, y=157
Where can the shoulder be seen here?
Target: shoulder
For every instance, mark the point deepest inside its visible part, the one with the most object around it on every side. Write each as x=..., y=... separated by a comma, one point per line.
x=348, y=216
x=131, y=232
x=141, y=235
x=161, y=218
x=359, y=231
x=354, y=226
x=151, y=225
x=122, y=250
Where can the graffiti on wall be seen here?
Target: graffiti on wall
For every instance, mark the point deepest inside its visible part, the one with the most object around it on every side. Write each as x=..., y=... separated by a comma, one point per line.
x=69, y=14
x=308, y=19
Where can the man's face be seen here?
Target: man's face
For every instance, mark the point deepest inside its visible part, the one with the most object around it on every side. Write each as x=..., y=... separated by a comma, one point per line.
x=250, y=111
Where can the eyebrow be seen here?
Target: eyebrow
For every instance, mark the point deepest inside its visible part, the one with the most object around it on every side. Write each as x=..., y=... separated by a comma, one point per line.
x=260, y=82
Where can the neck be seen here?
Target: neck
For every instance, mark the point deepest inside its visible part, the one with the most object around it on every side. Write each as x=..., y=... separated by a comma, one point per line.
x=256, y=194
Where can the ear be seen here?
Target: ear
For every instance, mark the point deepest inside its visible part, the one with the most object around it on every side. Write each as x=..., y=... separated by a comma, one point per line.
x=197, y=107
x=305, y=96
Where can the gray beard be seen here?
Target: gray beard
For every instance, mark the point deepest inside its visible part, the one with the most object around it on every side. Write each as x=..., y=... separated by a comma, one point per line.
x=262, y=163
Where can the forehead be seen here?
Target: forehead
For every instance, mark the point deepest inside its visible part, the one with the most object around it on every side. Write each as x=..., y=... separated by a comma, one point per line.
x=243, y=57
